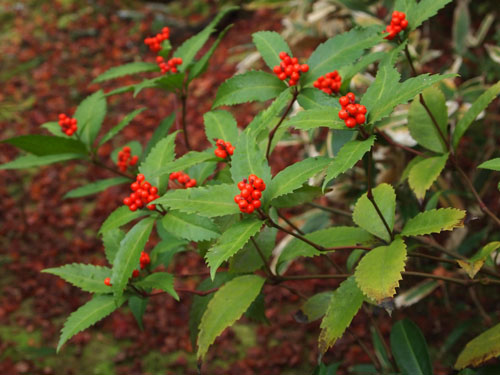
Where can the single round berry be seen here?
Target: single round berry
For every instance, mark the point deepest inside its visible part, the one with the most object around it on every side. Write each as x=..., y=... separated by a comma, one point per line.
x=135, y=273
x=344, y=100
x=343, y=114
x=107, y=281
x=350, y=122
x=360, y=118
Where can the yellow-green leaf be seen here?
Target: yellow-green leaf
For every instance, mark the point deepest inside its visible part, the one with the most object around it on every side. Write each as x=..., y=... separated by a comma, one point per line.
x=434, y=221
x=480, y=349
x=424, y=173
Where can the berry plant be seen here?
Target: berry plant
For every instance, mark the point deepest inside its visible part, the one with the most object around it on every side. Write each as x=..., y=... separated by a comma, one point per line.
x=225, y=204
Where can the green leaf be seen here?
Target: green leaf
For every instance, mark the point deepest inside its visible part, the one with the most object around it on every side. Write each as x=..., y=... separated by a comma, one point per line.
x=347, y=157
x=55, y=129
x=227, y=306
x=87, y=315
x=493, y=164
x=87, y=277
x=270, y=44
x=249, y=87
x=162, y=153
x=434, y=221
x=118, y=128
x=475, y=263
x=111, y=240
x=315, y=307
x=410, y=349
x=126, y=69
x=344, y=305
x=248, y=260
x=476, y=108
x=127, y=257
x=379, y=271
x=461, y=27
x=95, y=187
x=210, y=201
x=121, y=216
x=42, y=145
x=339, y=51
x=386, y=92
x=29, y=161
x=315, y=118
x=220, y=125
x=186, y=161
x=312, y=98
x=330, y=237
x=420, y=124
x=349, y=71
x=365, y=215
x=90, y=115
x=188, y=50
x=480, y=349
x=170, y=82
x=159, y=280
x=294, y=176
x=190, y=226
x=232, y=240
x=300, y=196
x=138, y=307
x=249, y=159
x=425, y=9
x=424, y=173
x=160, y=132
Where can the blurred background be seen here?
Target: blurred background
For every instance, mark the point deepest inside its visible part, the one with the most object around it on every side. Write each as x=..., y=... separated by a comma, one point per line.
x=49, y=52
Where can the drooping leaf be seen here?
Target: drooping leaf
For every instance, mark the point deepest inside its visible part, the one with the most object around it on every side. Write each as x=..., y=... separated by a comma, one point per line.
x=210, y=201
x=111, y=240
x=347, y=157
x=424, y=173
x=315, y=307
x=160, y=132
x=121, y=216
x=90, y=115
x=434, y=221
x=232, y=240
x=159, y=280
x=344, y=305
x=170, y=82
x=256, y=312
x=476, y=108
x=424, y=10
x=476, y=262
x=312, y=98
x=493, y=164
x=410, y=349
x=162, y=153
x=184, y=162
x=327, y=117
x=420, y=124
x=480, y=349
x=42, y=145
x=249, y=87
x=87, y=277
x=339, y=51
x=138, y=307
x=379, y=271
x=190, y=226
x=29, y=161
x=127, y=257
x=270, y=44
x=227, y=306
x=118, y=128
x=365, y=215
x=294, y=176
x=126, y=69
x=87, y=315
x=95, y=187
x=220, y=125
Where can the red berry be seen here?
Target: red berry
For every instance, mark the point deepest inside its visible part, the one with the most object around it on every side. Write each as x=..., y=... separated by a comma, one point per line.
x=256, y=204
x=135, y=273
x=360, y=118
x=153, y=190
x=252, y=178
x=344, y=100
x=250, y=209
x=350, y=122
x=351, y=108
x=245, y=193
x=152, y=207
x=256, y=194
x=230, y=150
x=107, y=281
x=351, y=97
x=277, y=69
x=133, y=207
x=220, y=153
x=140, y=177
x=343, y=114
x=237, y=198
x=282, y=76
x=127, y=201
x=304, y=68
x=404, y=24
x=241, y=185
x=242, y=204
x=283, y=55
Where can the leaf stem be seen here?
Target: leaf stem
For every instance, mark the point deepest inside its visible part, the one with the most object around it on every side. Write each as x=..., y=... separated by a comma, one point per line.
x=183, y=98
x=262, y=257
x=100, y=164
x=396, y=144
x=292, y=225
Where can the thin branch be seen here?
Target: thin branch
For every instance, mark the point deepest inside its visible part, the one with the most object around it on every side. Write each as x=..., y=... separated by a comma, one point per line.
x=482, y=311
x=262, y=257
x=292, y=225
x=396, y=144
x=373, y=359
x=100, y=164
x=313, y=277
x=183, y=98
x=330, y=209
x=196, y=292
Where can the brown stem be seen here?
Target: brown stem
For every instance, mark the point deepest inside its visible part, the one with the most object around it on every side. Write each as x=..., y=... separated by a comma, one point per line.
x=292, y=225
x=183, y=120
x=431, y=257
x=100, y=164
x=313, y=277
x=482, y=311
x=370, y=355
x=293, y=290
x=262, y=257
x=396, y=144
x=196, y=292
x=273, y=132
x=333, y=210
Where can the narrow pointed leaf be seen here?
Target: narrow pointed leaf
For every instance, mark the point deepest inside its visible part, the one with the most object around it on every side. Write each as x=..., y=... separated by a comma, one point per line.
x=111, y=240
x=425, y=9
x=365, y=215
x=127, y=69
x=327, y=117
x=41, y=145
x=493, y=164
x=480, y=349
x=312, y=98
x=138, y=307
x=232, y=240
x=95, y=187
x=162, y=153
x=184, y=162
x=118, y=128
x=127, y=257
x=87, y=277
x=159, y=280
x=226, y=306
x=434, y=221
x=121, y=216
x=344, y=305
x=220, y=125
x=87, y=315
x=379, y=271
x=160, y=133
x=190, y=226
x=90, y=115
x=29, y=161
x=270, y=44
x=424, y=173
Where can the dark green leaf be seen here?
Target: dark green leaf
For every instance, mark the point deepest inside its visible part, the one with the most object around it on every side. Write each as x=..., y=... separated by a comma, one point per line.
x=424, y=173
x=90, y=115
x=312, y=98
x=184, y=162
x=162, y=153
x=29, y=161
x=220, y=125
x=127, y=69
x=314, y=118
x=138, y=307
x=95, y=187
x=42, y=145
x=121, y=216
x=190, y=226
x=270, y=44
x=159, y=280
x=118, y=128
x=160, y=132
x=87, y=277
x=111, y=240
x=315, y=307
x=493, y=164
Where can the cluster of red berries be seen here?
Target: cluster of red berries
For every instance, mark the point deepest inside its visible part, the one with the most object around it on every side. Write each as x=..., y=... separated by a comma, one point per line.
x=289, y=67
x=398, y=24
x=142, y=194
x=183, y=179
x=223, y=149
x=250, y=193
x=170, y=65
x=154, y=43
x=329, y=83
x=67, y=124
x=124, y=159
x=144, y=261
x=353, y=114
